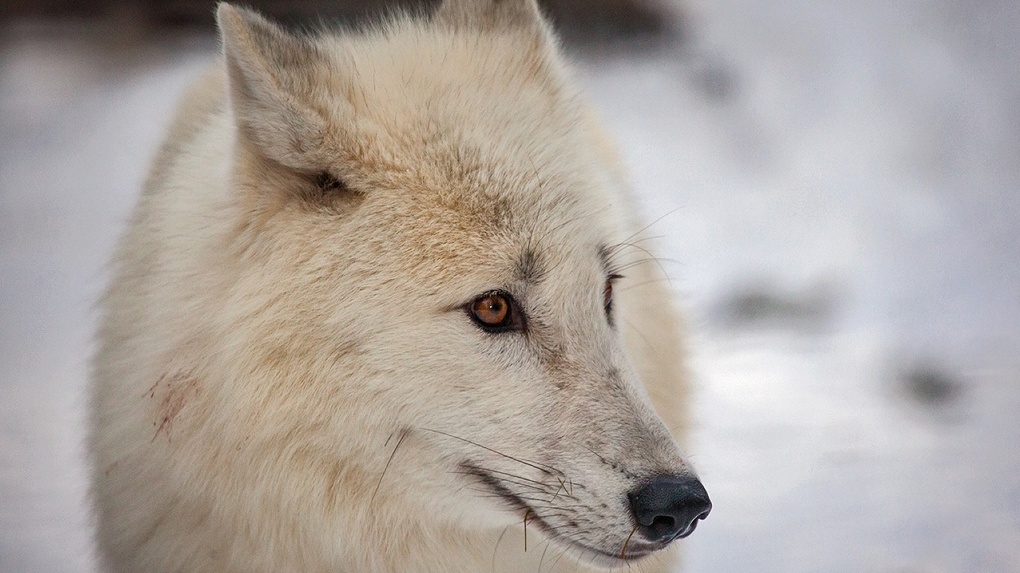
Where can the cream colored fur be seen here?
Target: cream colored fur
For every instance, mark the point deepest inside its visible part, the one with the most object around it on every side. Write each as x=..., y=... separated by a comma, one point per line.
x=287, y=379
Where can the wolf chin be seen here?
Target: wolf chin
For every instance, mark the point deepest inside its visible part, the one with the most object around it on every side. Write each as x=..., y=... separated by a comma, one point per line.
x=384, y=306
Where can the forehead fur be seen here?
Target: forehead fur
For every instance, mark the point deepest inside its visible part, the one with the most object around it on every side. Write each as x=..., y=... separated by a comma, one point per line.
x=463, y=96
x=477, y=131
x=459, y=130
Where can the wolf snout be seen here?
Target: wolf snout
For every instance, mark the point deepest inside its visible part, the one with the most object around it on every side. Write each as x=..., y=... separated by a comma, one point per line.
x=669, y=507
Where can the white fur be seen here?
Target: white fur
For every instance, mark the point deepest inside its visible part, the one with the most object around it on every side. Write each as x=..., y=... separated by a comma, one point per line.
x=287, y=379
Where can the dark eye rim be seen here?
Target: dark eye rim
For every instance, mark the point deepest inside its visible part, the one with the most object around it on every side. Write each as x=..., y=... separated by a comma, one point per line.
x=610, y=280
x=514, y=320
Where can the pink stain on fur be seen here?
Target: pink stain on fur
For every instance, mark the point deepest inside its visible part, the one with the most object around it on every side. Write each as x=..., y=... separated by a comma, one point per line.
x=180, y=387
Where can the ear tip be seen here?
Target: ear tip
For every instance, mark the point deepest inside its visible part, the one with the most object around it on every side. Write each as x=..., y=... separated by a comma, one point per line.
x=234, y=18
x=225, y=10
x=227, y=16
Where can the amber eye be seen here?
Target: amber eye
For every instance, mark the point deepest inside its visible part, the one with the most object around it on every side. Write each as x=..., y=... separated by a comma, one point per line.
x=493, y=310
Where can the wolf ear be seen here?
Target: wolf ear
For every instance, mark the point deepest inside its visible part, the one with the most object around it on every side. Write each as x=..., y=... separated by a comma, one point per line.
x=268, y=73
x=492, y=15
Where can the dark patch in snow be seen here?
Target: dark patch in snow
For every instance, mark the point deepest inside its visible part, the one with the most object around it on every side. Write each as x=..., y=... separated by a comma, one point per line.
x=766, y=306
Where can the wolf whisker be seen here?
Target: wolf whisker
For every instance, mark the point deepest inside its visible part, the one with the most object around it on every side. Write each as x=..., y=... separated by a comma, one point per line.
x=558, y=490
x=529, y=482
x=542, y=559
x=644, y=338
x=546, y=469
x=597, y=455
x=644, y=283
x=654, y=222
x=389, y=460
x=623, y=552
x=560, y=556
x=649, y=259
x=657, y=260
x=532, y=239
x=526, y=513
x=495, y=548
x=631, y=241
x=486, y=494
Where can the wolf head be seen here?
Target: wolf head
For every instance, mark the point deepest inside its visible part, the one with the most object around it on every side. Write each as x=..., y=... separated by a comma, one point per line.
x=420, y=330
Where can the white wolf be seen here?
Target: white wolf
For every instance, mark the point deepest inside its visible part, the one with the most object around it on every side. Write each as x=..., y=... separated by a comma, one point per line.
x=382, y=308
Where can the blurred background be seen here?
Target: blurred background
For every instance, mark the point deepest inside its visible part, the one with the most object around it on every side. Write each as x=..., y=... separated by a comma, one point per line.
x=836, y=190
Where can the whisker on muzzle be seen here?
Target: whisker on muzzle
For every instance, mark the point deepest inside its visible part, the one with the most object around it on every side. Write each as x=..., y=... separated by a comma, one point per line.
x=544, y=468
x=389, y=460
x=623, y=552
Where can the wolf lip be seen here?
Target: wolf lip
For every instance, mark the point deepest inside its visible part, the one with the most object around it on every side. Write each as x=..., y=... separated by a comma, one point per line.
x=493, y=483
x=633, y=552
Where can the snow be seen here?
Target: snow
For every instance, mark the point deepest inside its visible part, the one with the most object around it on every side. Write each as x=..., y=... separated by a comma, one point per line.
x=837, y=190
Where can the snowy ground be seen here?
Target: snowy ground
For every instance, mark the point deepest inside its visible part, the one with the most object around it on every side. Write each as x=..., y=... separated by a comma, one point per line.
x=841, y=191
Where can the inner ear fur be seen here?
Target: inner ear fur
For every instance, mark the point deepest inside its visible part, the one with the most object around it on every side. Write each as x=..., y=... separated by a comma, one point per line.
x=269, y=73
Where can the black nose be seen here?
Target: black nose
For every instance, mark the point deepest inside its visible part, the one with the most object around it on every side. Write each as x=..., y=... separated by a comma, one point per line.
x=669, y=507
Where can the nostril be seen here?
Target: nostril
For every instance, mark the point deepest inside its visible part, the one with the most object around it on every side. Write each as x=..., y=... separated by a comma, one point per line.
x=662, y=526
x=668, y=507
x=663, y=521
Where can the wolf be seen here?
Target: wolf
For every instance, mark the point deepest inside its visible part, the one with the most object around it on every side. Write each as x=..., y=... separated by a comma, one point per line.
x=385, y=305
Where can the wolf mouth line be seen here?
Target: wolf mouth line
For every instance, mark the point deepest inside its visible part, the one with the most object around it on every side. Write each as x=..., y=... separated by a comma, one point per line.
x=630, y=550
